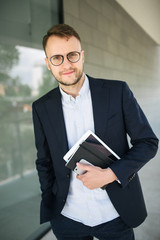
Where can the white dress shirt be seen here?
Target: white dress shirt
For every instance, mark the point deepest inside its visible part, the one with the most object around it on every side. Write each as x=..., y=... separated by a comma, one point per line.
x=90, y=207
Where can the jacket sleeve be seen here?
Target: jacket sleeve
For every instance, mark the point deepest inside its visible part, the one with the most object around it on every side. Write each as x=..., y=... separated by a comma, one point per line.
x=143, y=140
x=43, y=163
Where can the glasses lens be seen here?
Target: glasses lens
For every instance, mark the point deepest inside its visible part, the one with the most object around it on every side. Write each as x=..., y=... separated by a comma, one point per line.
x=56, y=60
x=73, y=56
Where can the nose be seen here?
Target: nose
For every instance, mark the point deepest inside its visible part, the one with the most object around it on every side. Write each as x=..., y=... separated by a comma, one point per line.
x=66, y=63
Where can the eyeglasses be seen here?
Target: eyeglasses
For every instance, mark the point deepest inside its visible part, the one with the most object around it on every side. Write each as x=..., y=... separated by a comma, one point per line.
x=72, y=57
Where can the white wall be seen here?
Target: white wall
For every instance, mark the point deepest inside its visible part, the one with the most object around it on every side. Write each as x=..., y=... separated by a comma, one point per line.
x=146, y=13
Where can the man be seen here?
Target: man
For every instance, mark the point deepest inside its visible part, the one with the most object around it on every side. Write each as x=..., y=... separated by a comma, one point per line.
x=76, y=206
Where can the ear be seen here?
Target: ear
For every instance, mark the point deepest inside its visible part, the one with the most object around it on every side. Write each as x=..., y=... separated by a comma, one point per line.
x=47, y=64
x=83, y=56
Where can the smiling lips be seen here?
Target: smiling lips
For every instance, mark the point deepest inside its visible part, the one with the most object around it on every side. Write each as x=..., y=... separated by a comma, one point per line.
x=68, y=73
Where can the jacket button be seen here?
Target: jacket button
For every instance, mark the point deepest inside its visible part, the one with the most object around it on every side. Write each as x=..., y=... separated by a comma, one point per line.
x=64, y=200
x=68, y=176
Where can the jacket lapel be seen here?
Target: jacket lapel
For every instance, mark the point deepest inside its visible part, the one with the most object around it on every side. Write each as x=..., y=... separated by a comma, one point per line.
x=100, y=103
x=56, y=118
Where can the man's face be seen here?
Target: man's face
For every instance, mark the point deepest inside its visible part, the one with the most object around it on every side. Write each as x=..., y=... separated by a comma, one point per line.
x=67, y=73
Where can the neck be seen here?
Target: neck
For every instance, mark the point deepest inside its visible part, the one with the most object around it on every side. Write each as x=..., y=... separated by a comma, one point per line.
x=73, y=90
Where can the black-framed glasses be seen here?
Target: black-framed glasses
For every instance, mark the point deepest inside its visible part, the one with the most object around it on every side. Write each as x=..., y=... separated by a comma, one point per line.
x=72, y=57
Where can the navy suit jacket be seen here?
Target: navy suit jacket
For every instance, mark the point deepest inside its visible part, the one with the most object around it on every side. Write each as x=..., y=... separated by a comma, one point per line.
x=116, y=116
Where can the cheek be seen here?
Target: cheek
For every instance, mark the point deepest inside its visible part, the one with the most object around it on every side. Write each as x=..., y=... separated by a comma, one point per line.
x=55, y=72
x=80, y=65
x=54, y=69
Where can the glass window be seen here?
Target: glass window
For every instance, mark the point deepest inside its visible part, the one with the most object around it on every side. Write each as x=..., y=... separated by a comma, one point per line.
x=23, y=78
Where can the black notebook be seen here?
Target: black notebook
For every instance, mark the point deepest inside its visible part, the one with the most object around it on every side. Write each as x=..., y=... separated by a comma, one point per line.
x=90, y=149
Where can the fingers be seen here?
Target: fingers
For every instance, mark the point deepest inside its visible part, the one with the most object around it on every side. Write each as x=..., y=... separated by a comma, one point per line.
x=79, y=177
x=86, y=167
x=83, y=179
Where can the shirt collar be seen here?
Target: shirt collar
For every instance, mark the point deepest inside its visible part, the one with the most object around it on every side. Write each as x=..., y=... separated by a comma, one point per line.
x=84, y=91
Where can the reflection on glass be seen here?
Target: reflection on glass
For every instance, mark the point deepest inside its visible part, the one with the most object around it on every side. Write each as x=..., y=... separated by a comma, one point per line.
x=23, y=77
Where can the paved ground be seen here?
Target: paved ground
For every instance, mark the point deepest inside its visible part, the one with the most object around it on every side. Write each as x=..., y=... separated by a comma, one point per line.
x=150, y=178
x=19, y=209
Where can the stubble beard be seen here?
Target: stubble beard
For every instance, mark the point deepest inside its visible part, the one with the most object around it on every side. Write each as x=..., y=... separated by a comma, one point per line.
x=77, y=79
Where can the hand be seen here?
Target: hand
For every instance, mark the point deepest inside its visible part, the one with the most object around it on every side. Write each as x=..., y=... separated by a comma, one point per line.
x=95, y=177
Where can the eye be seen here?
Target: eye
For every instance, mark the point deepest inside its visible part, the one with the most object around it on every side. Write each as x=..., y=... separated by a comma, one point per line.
x=73, y=56
x=56, y=58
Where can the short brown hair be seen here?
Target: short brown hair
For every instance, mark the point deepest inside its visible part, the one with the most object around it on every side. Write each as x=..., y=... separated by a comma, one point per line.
x=60, y=30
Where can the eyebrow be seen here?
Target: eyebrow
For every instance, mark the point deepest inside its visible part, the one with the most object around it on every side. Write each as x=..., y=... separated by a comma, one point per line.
x=66, y=53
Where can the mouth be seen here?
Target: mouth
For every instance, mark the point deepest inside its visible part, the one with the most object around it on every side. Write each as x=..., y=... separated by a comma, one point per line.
x=68, y=73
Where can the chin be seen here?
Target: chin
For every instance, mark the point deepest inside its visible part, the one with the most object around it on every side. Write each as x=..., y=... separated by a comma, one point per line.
x=70, y=82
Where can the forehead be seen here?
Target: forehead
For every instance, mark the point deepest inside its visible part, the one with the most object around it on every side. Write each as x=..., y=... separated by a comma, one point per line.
x=57, y=45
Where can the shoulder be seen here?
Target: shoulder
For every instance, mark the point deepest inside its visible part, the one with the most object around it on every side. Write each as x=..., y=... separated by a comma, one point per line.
x=51, y=94
x=116, y=88
x=106, y=82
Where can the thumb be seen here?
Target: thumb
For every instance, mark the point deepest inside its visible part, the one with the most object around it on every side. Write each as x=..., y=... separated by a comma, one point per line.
x=83, y=166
